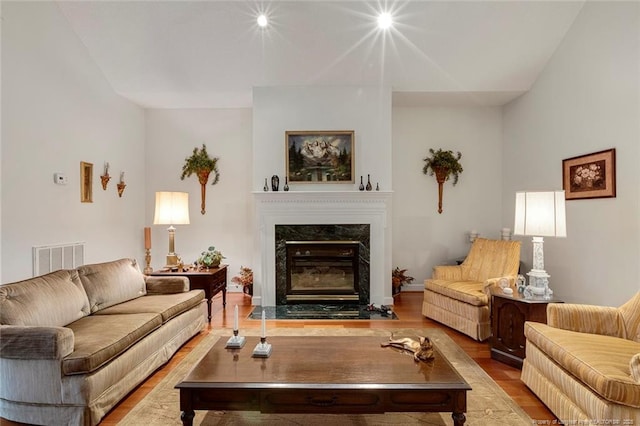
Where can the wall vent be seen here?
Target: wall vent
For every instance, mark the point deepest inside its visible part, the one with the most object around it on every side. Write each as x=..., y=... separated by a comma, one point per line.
x=57, y=256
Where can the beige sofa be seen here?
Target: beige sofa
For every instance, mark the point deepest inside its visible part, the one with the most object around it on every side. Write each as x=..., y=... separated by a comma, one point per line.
x=74, y=342
x=584, y=364
x=459, y=295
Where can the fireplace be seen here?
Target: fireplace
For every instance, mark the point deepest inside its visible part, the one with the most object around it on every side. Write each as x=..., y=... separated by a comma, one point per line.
x=322, y=264
x=322, y=272
x=361, y=216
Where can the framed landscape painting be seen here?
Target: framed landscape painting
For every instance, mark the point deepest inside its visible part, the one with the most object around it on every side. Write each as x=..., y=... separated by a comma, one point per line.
x=590, y=176
x=320, y=156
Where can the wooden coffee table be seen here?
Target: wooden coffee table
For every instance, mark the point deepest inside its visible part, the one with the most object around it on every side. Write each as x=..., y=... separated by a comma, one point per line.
x=312, y=374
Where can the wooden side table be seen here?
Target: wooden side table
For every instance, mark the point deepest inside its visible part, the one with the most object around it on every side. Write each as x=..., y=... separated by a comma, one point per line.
x=508, y=315
x=211, y=281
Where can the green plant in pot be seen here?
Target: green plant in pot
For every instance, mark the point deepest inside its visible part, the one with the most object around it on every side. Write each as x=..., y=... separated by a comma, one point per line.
x=210, y=258
x=398, y=279
x=443, y=164
x=202, y=165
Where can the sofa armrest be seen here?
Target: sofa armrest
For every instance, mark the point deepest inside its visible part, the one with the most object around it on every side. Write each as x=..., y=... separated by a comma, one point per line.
x=33, y=342
x=592, y=319
x=166, y=285
x=447, y=272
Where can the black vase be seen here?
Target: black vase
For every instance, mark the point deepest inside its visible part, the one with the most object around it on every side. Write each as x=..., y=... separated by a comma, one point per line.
x=265, y=188
x=361, y=188
x=286, y=184
x=369, y=187
x=275, y=182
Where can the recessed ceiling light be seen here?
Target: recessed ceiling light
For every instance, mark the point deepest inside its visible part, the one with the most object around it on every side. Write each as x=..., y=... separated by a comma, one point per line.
x=262, y=21
x=385, y=20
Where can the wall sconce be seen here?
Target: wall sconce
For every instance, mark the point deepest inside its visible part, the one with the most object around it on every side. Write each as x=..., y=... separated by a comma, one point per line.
x=105, y=176
x=121, y=185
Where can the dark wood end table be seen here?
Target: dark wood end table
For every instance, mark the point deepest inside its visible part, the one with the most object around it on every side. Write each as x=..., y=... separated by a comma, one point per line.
x=212, y=281
x=508, y=315
x=314, y=374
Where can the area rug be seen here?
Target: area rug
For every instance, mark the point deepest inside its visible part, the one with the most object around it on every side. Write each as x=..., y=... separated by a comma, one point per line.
x=487, y=403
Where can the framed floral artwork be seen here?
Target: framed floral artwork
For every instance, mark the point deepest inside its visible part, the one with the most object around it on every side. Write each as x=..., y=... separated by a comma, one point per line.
x=320, y=156
x=590, y=176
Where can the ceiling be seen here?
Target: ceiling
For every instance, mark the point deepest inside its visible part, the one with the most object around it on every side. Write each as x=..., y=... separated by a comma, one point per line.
x=199, y=54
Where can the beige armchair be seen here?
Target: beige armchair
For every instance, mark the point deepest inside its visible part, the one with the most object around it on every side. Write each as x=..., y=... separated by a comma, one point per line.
x=458, y=295
x=584, y=364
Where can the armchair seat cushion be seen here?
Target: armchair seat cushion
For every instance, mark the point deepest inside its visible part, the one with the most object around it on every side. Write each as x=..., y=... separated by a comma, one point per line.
x=471, y=292
x=600, y=362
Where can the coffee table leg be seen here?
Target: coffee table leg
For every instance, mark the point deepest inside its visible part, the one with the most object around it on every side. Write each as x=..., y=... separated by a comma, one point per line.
x=187, y=417
x=458, y=419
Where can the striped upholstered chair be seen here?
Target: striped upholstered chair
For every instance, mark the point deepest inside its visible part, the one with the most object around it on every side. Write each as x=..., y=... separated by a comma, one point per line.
x=584, y=364
x=458, y=295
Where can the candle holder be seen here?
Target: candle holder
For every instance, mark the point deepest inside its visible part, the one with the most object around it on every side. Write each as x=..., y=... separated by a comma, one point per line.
x=147, y=259
x=235, y=341
x=262, y=349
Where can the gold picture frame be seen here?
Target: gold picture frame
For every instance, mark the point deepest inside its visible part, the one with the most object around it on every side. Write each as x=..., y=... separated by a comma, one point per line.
x=320, y=156
x=86, y=182
x=590, y=176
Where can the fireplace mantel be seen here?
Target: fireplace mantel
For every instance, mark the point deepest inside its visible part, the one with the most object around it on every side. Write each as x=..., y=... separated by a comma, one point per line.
x=322, y=207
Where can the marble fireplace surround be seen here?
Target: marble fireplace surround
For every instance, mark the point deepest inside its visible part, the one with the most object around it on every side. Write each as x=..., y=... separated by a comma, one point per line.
x=322, y=208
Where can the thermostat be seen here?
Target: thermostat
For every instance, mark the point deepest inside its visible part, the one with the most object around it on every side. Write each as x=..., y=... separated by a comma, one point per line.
x=60, y=178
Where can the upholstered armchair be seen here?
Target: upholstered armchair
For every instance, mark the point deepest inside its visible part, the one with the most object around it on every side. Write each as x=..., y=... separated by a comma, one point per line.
x=584, y=364
x=459, y=295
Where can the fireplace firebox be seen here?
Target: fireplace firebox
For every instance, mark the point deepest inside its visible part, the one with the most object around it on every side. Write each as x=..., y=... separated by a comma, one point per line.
x=322, y=271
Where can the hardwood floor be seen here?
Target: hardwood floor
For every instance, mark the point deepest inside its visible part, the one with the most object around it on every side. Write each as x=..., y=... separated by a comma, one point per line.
x=408, y=306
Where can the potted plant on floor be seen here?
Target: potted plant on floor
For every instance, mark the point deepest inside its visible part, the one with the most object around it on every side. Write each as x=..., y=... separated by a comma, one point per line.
x=202, y=165
x=443, y=164
x=245, y=279
x=398, y=278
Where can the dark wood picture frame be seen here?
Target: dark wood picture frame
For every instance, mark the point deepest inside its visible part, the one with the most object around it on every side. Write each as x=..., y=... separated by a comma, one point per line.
x=590, y=175
x=320, y=156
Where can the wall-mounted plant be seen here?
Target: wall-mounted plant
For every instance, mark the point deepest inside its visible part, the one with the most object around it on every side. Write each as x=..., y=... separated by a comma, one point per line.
x=202, y=165
x=443, y=164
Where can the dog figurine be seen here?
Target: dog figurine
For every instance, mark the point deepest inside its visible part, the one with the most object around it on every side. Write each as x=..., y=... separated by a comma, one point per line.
x=422, y=348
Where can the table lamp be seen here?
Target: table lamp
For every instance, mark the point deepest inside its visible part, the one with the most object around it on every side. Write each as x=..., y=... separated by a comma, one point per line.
x=540, y=214
x=172, y=208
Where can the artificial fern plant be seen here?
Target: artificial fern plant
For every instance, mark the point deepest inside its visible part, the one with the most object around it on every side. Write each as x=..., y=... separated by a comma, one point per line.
x=443, y=164
x=202, y=165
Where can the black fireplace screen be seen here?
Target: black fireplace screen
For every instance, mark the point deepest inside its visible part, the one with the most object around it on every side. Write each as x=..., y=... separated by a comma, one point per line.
x=322, y=270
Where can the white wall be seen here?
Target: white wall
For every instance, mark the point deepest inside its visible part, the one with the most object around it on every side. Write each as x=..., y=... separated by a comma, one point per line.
x=171, y=136
x=366, y=110
x=586, y=100
x=58, y=110
x=422, y=238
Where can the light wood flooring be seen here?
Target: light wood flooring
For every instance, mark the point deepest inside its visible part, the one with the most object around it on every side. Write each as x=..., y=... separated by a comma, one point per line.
x=408, y=308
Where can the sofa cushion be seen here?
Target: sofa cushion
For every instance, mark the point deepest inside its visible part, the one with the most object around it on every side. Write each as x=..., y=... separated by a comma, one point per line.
x=600, y=362
x=110, y=283
x=470, y=292
x=167, y=305
x=101, y=338
x=51, y=300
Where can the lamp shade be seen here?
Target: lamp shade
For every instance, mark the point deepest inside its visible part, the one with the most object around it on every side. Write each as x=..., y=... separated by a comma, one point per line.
x=540, y=214
x=172, y=208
